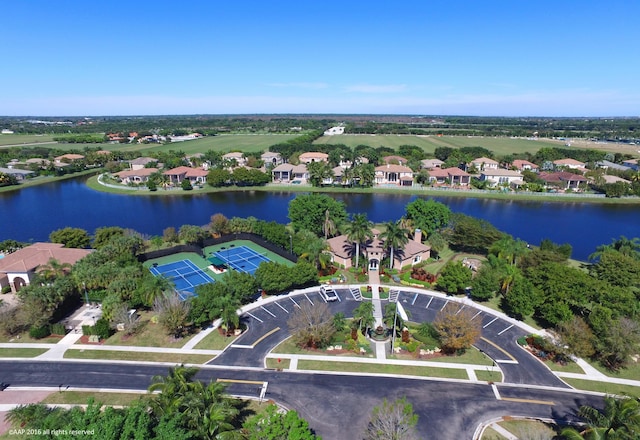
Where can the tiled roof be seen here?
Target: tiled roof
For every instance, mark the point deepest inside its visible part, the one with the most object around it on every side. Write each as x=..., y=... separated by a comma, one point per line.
x=29, y=258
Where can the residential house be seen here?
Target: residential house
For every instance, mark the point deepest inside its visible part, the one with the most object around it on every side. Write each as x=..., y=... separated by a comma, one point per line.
x=605, y=164
x=525, y=165
x=452, y=176
x=614, y=179
x=313, y=156
x=19, y=175
x=271, y=158
x=482, y=164
x=237, y=156
x=287, y=173
x=141, y=162
x=18, y=268
x=569, y=163
x=66, y=159
x=502, y=177
x=347, y=163
x=632, y=163
x=430, y=164
x=342, y=251
x=37, y=161
x=135, y=176
x=196, y=176
x=563, y=179
x=395, y=160
x=391, y=174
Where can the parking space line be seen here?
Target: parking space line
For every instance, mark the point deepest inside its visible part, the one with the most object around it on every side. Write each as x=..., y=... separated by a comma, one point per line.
x=445, y=305
x=475, y=315
x=414, y=299
x=308, y=299
x=429, y=303
x=321, y=297
x=254, y=317
x=505, y=329
x=262, y=307
x=294, y=301
x=460, y=309
x=338, y=295
x=282, y=307
x=490, y=322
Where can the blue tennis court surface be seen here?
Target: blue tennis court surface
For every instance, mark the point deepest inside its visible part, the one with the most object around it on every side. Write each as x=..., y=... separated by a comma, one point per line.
x=185, y=276
x=241, y=258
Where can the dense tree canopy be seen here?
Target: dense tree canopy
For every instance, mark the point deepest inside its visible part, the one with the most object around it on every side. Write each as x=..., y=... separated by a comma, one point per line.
x=309, y=211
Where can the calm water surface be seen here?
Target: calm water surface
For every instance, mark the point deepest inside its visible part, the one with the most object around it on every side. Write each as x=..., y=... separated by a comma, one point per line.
x=32, y=213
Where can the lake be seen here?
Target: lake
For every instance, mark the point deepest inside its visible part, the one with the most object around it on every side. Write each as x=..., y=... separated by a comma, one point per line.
x=32, y=213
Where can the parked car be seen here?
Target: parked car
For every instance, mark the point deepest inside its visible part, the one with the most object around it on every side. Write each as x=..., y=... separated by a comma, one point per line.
x=328, y=294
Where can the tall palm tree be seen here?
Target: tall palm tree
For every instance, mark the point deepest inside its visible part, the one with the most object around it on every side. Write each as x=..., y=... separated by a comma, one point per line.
x=395, y=237
x=363, y=315
x=172, y=390
x=628, y=247
x=315, y=252
x=328, y=226
x=359, y=231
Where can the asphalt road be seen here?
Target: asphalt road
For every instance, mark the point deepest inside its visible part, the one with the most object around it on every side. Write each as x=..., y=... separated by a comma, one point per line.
x=336, y=406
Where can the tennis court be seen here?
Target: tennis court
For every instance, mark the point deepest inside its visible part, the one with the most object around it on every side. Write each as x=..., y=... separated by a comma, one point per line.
x=185, y=276
x=241, y=258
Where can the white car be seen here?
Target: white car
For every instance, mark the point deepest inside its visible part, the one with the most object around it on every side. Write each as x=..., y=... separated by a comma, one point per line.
x=328, y=294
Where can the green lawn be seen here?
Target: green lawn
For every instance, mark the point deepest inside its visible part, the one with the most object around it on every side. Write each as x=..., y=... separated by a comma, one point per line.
x=214, y=341
x=500, y=146
x=632, y=371
x=570, y=367
x=404, y=370
x=602, y=387
x=21, y=352
x=488, y=375
x=19, y=139
x=273, y=363
x=177, y=358
x=149, y=335
x=82, y=397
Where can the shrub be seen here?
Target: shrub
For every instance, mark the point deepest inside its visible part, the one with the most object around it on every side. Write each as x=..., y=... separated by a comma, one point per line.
x=6, y=289
x=412, y=346
x=58, y=329
x=102, y=328
x=87, y=330
x=40, y=332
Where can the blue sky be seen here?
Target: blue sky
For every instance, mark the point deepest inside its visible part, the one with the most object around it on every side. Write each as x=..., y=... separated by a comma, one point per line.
x=502, y=58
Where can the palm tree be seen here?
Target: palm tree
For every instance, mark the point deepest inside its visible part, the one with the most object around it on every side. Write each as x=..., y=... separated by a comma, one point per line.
x=54, y=269
x=359, y=231
x=620, y=420
x=630, y=248
x=315, y=252
x=363, y=315
x=329, y=226
x=395, y=237
x=173, y=388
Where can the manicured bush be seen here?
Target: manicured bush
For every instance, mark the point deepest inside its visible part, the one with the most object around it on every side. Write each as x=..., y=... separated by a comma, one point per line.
x=40, y=332
x=58, y=329
x=102, y=328
x=87, y=330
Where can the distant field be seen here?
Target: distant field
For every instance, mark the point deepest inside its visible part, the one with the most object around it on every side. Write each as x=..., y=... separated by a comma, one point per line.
x=19, y=139
x=225, y=143
x=500, y=146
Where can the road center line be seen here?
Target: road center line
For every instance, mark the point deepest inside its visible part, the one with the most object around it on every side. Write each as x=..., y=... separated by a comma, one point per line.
x=266, y=335
x=493, y=344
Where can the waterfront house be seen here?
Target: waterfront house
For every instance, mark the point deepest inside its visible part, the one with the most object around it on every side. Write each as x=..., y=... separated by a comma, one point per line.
x=19, y=175
x=502, y=177
x=452, y=176
x=197, y=176
x=287, y=173
x=237, y=156
x=391, y=174
x=67, y=159
x=135, y=176
x=563, y=180
x=141, y=162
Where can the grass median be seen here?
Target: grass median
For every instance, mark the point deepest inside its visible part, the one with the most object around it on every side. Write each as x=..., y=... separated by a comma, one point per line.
x=21, y=352
x=403, y=370
x=115, y=355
